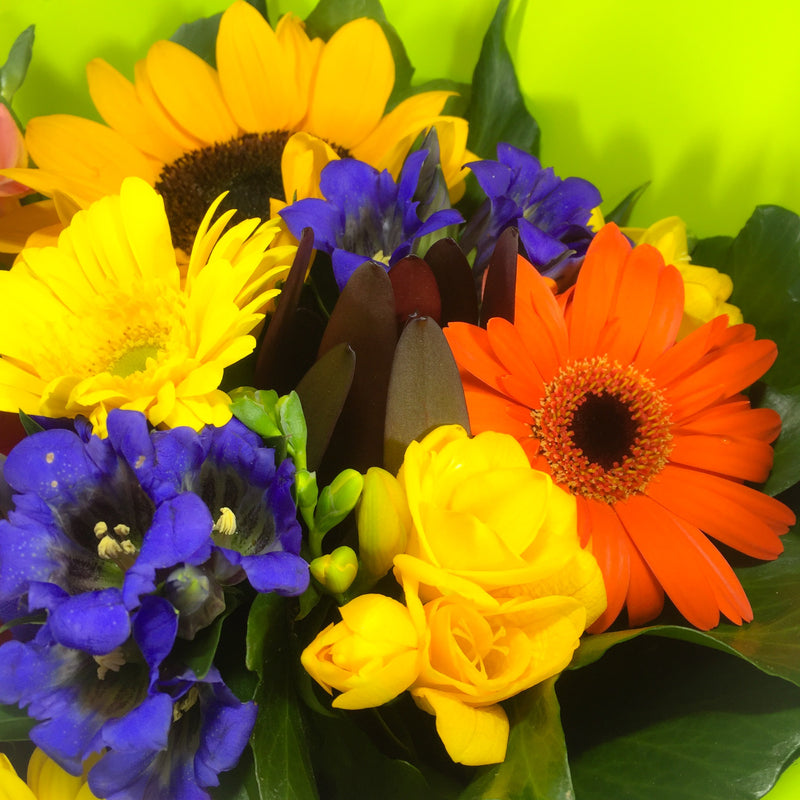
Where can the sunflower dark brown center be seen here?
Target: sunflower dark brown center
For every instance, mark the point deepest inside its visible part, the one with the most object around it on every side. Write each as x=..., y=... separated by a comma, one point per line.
x=248, y=168
x=603, y=428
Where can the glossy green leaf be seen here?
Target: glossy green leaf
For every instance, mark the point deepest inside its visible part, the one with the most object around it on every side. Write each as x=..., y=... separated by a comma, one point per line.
x=200, y=37
x=280, y=749
x=658, y=720
x=13, y=72
x=770, y=642
x=29, y=424
x=350, y=765
x=15, y=724
x=621, y=213
x=329, y=15
x=497, y=111
x=424, y=390
x=764, y=262
x=536, y=765
x=266, y=613
x=786, y=466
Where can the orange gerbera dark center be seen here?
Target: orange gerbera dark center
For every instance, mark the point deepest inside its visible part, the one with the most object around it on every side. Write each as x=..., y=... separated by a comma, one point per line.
x=248, y=168
x=604, y=429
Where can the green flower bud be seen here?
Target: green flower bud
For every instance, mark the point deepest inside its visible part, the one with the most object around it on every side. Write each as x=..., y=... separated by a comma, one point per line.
x=336, y=571
x=384, y=521
x=338, y=500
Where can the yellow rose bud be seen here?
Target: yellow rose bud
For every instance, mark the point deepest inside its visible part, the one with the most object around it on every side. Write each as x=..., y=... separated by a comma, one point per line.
x=383, y=522
x=705, y=288
x=371, y=656
x=487, y=526
x=336, y=571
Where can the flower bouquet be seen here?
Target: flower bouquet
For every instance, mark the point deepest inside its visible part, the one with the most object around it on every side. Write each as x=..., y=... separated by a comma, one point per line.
x=352, y=452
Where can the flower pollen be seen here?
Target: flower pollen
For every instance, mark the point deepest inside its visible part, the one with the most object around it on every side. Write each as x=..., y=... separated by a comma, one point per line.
x=603, y=428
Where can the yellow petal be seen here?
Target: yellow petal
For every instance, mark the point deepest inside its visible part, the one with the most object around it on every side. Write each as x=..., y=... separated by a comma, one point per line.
x=120, y=106
x=353, y=82
x=471, y=736
x=16, y=228
x=303, y=159
x=255, y=80
x=189, y=90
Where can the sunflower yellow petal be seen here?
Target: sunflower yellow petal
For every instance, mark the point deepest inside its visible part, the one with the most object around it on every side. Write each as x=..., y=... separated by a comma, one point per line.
x=255, y=79
x=190, y=89
x=12, y=787
x=471, y=736
x=86, y=153
x=353, y=82
x=119, y=104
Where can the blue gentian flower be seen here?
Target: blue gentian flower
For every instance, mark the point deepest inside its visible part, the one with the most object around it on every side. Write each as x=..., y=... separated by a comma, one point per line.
x=551, y=214
x=78, y=696
x=366, y=215
x=124, y=545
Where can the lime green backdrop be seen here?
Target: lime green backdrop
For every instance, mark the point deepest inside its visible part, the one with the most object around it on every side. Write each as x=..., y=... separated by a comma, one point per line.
x=700, y=98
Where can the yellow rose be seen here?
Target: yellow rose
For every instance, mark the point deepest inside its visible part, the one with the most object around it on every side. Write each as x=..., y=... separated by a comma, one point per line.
x=473, y=658
x=371, y=656
x=487, y=526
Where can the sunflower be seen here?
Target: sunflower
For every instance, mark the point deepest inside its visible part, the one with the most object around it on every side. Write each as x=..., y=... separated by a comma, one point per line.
x=193, y=131
x=653, y=437
x=106, y=319
x=46, y=780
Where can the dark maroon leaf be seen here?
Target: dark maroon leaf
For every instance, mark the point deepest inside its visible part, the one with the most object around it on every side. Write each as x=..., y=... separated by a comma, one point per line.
x=280, y=332
x=455, y=280
x=501, y=277
x=364, y=318
x=424, y=391
x=323, y=391
x=415, y=291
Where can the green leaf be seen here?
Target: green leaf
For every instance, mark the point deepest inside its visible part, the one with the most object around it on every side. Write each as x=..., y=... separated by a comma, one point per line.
x=29, y=424
x=12, y=73
x=330, y=15
x=621, y=213
x=497, y=110
x=764, y=262
x=657, y=720
x=257, y=410
x=200, y=37
x=198, y=653
x=536, y=765
x=351, y=766
x=424, y=390
x=238, y=783
x=769, y=643
x=282, y=762
x=266, y=613
x=713, y=252
x=15, y=724
x=786, y=466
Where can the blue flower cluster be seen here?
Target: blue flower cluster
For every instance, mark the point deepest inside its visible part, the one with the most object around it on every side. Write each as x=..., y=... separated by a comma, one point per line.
x=367, y=216
x=126, y=547
x=551, y=214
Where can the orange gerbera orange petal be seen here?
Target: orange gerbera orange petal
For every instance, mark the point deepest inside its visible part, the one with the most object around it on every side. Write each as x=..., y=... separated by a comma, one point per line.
x=741, y=458
x=645, y=598
x=732, y=513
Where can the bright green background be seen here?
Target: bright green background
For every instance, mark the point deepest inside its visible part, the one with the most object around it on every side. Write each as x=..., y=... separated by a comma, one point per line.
x=701, y=98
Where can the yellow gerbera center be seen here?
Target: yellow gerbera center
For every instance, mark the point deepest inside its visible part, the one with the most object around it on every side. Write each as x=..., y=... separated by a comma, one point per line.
x=603, y=428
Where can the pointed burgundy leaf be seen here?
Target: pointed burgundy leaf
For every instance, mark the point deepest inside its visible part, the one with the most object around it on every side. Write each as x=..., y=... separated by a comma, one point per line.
x=323, y=391
x=501, y=277
x=424, y=390
x=281, y=327
x=364, y=318
x=415, y=290
x=455, y=280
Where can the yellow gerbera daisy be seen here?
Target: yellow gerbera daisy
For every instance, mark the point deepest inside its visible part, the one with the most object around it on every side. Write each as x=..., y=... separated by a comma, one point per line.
x=106, y=320
x=46, y=781
x=193, y=131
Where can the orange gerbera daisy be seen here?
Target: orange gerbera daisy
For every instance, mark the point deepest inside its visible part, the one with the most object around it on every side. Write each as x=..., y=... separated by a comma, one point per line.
x=194, y=132
x=653, y=437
